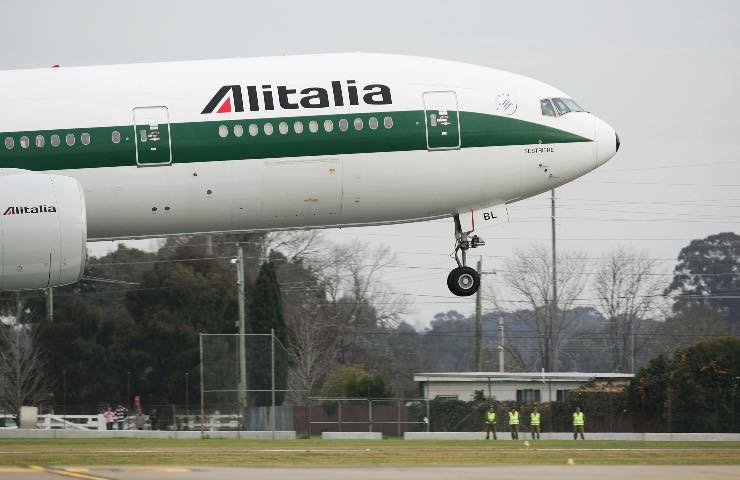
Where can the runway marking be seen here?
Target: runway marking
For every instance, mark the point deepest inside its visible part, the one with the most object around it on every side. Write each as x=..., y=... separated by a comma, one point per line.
x=65, y=473
x=129, y=469
x=16, y=470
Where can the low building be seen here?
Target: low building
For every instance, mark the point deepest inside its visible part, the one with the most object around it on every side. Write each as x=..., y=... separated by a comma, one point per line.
x=512, y=386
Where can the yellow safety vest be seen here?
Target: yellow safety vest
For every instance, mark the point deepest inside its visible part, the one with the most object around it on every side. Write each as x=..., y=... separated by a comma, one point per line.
x=579, y=419
x=491, y=417
x=535, y=418
x=513, y=418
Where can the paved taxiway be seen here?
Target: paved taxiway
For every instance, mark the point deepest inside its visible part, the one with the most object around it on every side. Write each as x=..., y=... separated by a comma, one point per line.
x=553, y=472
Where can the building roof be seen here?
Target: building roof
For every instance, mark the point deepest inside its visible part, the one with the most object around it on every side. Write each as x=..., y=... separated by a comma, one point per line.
x=519, y=376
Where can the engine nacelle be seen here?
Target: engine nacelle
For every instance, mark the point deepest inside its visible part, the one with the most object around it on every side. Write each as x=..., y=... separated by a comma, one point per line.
x=43, y=231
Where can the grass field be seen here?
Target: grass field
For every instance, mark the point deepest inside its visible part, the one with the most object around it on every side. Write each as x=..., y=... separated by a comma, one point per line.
x=317, y=452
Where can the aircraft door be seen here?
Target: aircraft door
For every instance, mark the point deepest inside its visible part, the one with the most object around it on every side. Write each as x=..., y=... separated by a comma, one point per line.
x=152, y=136
x=442, y=120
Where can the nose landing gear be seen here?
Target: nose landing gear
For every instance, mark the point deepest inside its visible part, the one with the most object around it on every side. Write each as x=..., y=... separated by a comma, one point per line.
x=464, y=281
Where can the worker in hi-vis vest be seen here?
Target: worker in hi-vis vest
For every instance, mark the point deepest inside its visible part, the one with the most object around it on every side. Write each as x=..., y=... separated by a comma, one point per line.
x=579, y=422
x=514, y=423
x=534, y=421
x=490, y=423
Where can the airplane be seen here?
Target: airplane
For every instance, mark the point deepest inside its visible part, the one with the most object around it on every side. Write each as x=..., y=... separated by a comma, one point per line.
x=293, y=142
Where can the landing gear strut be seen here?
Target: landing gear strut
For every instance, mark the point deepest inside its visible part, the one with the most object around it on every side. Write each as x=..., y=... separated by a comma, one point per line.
x=464, y=281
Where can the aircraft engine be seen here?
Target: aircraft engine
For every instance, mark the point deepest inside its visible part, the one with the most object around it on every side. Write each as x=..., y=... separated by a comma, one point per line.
x=43, y=231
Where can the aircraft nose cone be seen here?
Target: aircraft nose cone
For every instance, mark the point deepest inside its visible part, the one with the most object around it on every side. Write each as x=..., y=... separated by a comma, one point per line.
x=607, y=141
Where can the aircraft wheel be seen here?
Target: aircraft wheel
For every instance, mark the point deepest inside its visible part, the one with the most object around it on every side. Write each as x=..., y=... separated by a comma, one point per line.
x=463, y=281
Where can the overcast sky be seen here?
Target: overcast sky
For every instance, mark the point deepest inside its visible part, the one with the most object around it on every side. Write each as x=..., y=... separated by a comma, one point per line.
x=665, y=74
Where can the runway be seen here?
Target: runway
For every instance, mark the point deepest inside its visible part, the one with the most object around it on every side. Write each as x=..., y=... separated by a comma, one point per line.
x=552, y=472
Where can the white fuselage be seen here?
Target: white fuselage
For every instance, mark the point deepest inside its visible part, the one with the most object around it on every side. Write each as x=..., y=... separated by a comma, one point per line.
x=462, y=137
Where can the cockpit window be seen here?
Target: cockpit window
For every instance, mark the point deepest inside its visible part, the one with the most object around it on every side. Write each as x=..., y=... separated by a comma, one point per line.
x=562, y=106
x=572, y=105
x=547, y=108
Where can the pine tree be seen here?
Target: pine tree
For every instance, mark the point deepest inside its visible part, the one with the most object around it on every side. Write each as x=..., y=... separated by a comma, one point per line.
x=266, y=313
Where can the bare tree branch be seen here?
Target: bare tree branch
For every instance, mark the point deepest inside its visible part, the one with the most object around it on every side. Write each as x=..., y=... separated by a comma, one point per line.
x=23, y=377
x=527, y=279
x=627, y=294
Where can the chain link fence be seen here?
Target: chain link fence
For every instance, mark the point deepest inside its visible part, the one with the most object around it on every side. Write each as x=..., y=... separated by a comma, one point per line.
x=244, y=383
x=389, y=416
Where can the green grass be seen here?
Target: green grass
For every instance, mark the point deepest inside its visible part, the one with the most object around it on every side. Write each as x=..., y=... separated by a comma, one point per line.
x=392, y=452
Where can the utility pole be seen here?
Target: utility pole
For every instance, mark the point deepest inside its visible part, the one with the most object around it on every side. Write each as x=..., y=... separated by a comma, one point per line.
x=242, y=332
x=49, y=304
x=209, y=245
x=554, y=304
x=478, y=321
x=501, y=344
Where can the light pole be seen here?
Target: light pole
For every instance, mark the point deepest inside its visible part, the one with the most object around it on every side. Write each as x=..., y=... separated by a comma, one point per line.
x=239, y=261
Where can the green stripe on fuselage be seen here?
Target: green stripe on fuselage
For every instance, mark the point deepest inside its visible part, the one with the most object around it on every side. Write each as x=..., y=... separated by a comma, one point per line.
x=201, y=142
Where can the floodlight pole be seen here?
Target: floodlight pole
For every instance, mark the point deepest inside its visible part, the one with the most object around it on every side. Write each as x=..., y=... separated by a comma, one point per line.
x=478, y=322
x=242, y=333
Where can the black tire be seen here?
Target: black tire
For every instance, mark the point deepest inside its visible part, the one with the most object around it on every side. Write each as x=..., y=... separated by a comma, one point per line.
x=463, y=281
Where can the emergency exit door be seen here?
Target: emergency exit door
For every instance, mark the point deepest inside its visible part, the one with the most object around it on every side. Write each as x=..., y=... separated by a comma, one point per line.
x=152, y=136
x=442, y=120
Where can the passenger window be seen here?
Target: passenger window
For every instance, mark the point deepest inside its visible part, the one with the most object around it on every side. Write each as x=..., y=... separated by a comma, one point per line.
x=313, y=126
x=223, y=131
x=55, y=140
x=358, y=124
x=547, y=108
x=283, y=128
x=561, y=106
x=9, y=143
x=298, y=127
x=25, y=142
x=328, y=125
x=372, y=123
x=268, y=129
x=40, y=141
x=238, y=131
x=115, y=136
x=343, y=124
x=85, y=138
x=253, y=130
x=70, y=139
x=388, y=122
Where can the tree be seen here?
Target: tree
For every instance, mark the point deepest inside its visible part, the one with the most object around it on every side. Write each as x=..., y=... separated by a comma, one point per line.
x=705, y=386
x=265, y=315
x=24, y=377
x=352, y=381
x=351, y=276
x=528, y=276
x=627, y=294
x=689, y=326
x=708, y=275
x=693, y=390
x=648, y=391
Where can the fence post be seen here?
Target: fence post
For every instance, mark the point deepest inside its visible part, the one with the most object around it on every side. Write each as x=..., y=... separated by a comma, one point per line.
x=202, y=407
x=369, y=415
x=429, y=420
x=339, y=411
x=399, y=418
x=272, y=364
